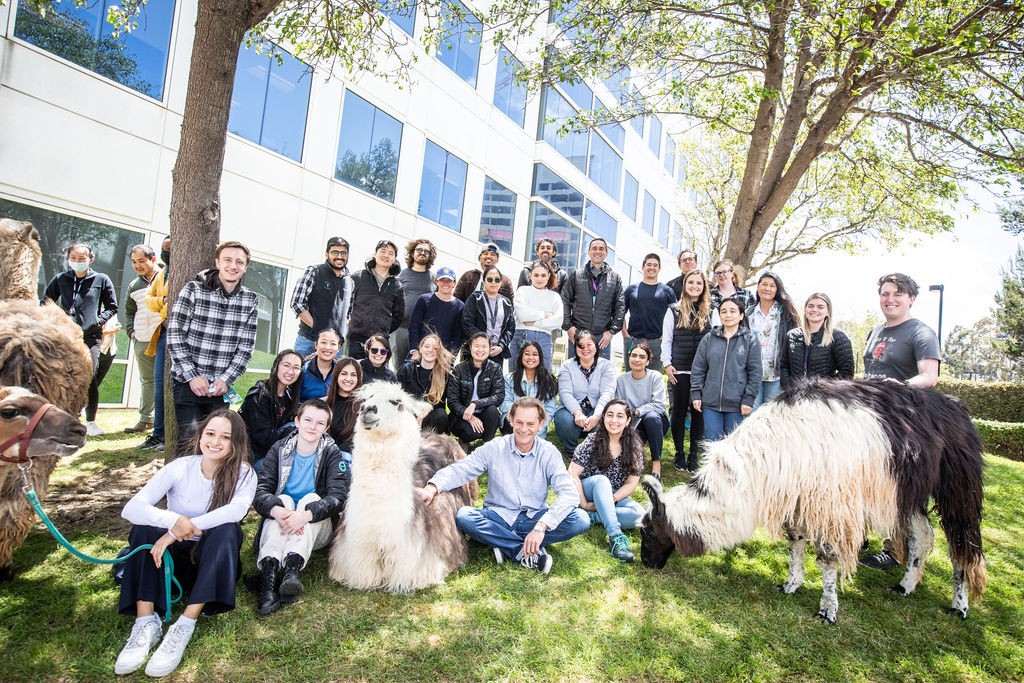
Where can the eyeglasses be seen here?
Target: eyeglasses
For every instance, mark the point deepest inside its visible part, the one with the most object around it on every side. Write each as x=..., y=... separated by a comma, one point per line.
x=379, y=352
x=421, y=251
x=337, y=252
x=492, y=279
x=723, y=272
x=687, y=259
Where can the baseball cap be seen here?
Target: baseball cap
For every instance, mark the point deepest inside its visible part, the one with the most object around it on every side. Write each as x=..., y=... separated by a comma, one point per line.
x=490, y=246
x=445, y=272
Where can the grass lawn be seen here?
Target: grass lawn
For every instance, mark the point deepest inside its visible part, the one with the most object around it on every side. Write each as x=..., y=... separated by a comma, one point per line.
x=718, y=617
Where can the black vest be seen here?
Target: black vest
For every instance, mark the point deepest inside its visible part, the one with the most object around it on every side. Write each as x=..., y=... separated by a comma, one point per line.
x=327, y=289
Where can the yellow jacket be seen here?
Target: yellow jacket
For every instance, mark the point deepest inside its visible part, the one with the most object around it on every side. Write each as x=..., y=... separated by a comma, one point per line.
x=156, y=301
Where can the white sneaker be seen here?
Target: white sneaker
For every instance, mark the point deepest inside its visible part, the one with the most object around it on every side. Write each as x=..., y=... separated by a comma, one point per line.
x=542, y=563
x=499, y=556
x=168, y=655
x=93, y=429
x=144, y=636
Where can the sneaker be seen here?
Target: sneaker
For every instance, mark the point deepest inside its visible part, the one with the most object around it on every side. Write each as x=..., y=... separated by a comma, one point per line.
x=883, y=560
x=151, y=443
x=160, y=447
x=144, y=636
x=93, y=429
x=139, y=427
x=679, y=463
x=168, y=655
x=619, y=547
x=541, y=563
x=499, y=557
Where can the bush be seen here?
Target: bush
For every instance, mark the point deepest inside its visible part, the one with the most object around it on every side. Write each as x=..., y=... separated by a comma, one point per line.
x=998, y=401
x=1002, y=438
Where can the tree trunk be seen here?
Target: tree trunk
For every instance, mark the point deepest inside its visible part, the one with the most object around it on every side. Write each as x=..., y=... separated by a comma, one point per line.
x=195, y=192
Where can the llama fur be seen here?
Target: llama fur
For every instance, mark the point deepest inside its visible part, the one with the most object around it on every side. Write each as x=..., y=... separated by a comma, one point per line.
x=388, y=538
x=822, y=462
x=41, y=349
x=57, y=434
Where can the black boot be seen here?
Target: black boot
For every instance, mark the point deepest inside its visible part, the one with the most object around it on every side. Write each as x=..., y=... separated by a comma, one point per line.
x=268, y=601
x=691, y=463
x=291, y=586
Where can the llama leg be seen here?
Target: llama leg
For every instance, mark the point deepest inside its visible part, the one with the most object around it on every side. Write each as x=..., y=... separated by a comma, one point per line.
x=920, y=538
x=959, y=606
x=828, y=607
x=6, y=573
x=797, y=549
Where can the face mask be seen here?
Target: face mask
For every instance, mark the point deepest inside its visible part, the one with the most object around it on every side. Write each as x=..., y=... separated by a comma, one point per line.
x=165, y=256
x=78, y=267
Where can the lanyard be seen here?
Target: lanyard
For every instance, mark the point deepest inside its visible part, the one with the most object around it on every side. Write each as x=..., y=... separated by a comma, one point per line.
x=492, y=313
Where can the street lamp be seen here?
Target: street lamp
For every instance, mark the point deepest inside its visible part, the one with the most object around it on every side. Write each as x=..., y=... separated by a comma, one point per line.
x=941, y=290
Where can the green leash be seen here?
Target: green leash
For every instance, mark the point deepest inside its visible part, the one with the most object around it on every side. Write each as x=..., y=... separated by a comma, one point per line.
x=168, y=562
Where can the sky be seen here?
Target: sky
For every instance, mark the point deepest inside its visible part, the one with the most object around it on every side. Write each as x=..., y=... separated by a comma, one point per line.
x=967, y=261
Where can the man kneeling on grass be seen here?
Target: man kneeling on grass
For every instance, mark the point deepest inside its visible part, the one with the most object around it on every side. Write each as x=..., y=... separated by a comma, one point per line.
x=302, y=488
x=515, y=520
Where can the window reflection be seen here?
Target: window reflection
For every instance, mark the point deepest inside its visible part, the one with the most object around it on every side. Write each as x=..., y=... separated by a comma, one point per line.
x=442, y=187
x=369, y=148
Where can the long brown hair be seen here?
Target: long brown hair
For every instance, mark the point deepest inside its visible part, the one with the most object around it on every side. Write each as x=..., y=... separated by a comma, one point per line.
x=695, y=314
x=632, y=449
x=351, y=406
x=439, y=373
x=234, y=466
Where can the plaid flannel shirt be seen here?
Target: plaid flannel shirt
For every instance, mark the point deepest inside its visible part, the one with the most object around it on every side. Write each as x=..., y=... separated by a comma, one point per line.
x=210, y=334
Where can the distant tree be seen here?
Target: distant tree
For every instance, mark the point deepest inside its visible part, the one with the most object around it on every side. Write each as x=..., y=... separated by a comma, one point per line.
x=977, y=353
x=858, y=331
x=373, y=171
x=1010, y=306
x=1011, y=215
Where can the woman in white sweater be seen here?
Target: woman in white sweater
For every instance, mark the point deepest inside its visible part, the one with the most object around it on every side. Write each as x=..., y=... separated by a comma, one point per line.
x=643, y=390
x=207, y=496
x=538, y=311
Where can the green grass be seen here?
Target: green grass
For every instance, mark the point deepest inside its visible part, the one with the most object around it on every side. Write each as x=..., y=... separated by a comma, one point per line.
x=718, y=617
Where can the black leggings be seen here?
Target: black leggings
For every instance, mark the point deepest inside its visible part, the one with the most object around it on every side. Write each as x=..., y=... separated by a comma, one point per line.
x=652, y=429
x=681, y=404
x=461, y=430
x=101, y=363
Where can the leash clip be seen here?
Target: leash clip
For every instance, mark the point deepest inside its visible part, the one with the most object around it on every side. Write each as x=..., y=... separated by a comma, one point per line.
x=26, y=483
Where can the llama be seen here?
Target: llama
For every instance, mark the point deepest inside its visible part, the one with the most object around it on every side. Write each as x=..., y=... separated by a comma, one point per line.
x=822, y=461
x=388, y=538
x=41, y=350
x=57, y=433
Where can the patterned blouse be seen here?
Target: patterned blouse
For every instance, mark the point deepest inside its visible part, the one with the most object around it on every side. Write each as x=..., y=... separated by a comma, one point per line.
x=616, y=473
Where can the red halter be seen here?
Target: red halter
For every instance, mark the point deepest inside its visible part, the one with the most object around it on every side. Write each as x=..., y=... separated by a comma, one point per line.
x=23, y=438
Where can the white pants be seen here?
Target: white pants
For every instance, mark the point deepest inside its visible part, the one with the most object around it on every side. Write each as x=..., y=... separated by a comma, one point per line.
x=277, y=544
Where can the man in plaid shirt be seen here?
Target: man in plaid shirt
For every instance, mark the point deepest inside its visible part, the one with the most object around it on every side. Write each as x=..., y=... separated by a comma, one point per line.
x=211, y=333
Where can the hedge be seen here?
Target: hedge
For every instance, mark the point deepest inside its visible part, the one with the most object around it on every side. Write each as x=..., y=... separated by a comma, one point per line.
x=1002, y=438
x=996, y=401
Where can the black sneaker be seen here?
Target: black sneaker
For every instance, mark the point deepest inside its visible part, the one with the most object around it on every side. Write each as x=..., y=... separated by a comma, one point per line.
x=620, y=548
x=882, y=560
x=679, y=463
x=150, y=444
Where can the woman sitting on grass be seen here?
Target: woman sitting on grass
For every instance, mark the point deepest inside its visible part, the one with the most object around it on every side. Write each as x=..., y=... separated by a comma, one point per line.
x=427, y=379
x=643, y=390
x=474, y=394
x=606, y=468
x=301, y=494
x=269, y=406
x=207, y=496
x=348, y=376
x=585, y=385
x=530, y=377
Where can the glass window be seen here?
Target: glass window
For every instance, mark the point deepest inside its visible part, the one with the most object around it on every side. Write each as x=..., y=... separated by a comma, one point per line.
x=401, y=12
x=566, y=17
x=555, y=191
x=674, y=238
x=600, y=222
x=579, y=93
x=136, y=59
x=605, y=166
x=630, y=192
x=681, y=169
x=663, y=224
x=546, y=223
x=509, y=96
x=615, y=133
x=648, y=220
x=460, y=45
x=573, y=146
x=270, y=283
x=618, y=84
x=368, y=148
x=497, y=218
x=654, y=136
x=270, y=100
x=442, y=187
x=670, y=156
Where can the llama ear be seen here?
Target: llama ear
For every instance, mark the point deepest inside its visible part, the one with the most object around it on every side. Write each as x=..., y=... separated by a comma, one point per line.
x=418, y=408
x=654, y=491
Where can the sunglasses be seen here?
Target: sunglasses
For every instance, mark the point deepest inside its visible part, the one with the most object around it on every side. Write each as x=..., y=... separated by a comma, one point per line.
x=492, y=279
x=379, y=352
x=421, y=251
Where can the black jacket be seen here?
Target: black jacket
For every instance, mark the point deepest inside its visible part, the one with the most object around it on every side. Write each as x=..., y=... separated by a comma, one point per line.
x=267, y=417
x=490, y=388
x=684, y=343
x=95, y=304
x=800, y=360
x=332, y=479
x=376, y=309
x=596, y=313
x=376, y=374
x=474, y=319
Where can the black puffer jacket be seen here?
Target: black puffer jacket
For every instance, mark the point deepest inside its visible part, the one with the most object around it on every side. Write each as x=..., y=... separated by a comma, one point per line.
x=800, y=360
x=376, y=309
x=474, y=319
x=598, y=312
x=332, y=479
x=267, y=417
x=490, y=388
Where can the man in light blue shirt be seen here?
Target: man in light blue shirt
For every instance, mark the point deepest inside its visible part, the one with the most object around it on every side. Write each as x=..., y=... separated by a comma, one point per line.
x=516, y=520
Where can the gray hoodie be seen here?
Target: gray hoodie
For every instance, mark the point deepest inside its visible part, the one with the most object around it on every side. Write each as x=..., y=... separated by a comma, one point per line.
x=726, y=372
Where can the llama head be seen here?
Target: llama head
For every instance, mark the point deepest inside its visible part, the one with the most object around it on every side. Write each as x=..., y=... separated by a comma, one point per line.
x=56, y=433
x=658, y=537
x=386, y=409
x=19, y=259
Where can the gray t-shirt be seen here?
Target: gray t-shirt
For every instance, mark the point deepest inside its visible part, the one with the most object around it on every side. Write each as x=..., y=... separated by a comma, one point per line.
x=416, y=283
x=893, y=352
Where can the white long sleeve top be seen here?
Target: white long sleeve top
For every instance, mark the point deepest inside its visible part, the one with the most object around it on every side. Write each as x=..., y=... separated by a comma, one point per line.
x=188, y=493
x=542, y=307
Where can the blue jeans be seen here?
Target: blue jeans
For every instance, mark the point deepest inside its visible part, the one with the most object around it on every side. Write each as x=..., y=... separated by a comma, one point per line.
x=522, y=336
x=158, y=385
x=304, y=345
x=625, y=514
x=487, y=527
x=767, y=392
x=566, y=429
x=718, y=424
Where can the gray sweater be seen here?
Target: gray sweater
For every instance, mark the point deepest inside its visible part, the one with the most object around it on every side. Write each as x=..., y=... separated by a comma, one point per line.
x=573, y=386
x=726, y=372
x=646, y=395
